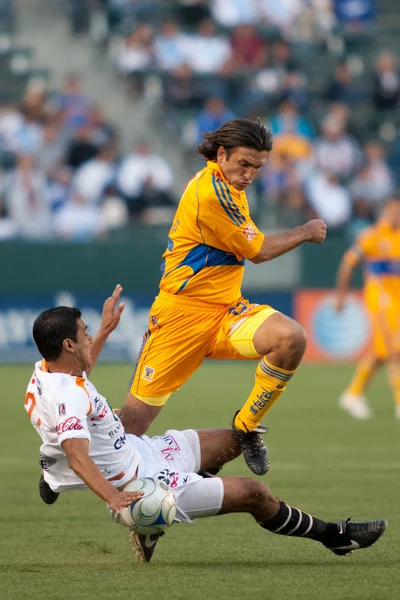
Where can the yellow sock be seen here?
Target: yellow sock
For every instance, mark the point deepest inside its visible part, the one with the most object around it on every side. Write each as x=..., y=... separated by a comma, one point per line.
x=270, y=383
x=361, y=377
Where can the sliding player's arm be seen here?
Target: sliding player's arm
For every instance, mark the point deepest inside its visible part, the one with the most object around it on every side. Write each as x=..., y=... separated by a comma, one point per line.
x=77, y=452
x=73, y=405
x=109, y=321
x=231, y=222
x=350, y=260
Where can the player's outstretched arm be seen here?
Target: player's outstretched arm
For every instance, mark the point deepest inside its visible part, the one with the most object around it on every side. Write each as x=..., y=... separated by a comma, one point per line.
x=110, y=318
x=279, y=243
x=350, y=260
x=77, y=452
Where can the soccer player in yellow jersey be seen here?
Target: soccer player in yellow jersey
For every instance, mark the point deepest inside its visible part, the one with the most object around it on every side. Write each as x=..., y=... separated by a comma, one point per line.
x=199, y=311
x=379, y=248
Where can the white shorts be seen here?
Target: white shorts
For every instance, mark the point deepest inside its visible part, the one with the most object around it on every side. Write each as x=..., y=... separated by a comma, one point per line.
x=175, y=458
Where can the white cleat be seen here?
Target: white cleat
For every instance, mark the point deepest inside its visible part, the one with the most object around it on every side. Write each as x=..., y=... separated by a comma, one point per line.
x=356, y=406
x=397, y=412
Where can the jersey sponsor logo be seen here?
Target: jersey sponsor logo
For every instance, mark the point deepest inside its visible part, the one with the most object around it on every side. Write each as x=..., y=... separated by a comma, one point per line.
x=46, y=461
x=170, y=478
x=119, y=442
x=62, y=410
x=148, y=374
x=262, y=400
x=70, y=424
x=172, y=446
x=101, y=414
x=249, y=232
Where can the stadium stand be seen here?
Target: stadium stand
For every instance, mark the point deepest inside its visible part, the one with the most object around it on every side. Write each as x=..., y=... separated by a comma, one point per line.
x=323, y=77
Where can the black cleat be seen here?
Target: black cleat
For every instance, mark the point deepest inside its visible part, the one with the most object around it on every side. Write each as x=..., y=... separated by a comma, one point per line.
x=144, y=545
x=354, y=536
x=254, y=450
x=45, y=491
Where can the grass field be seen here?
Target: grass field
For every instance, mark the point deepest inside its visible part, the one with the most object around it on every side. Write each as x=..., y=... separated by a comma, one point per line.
x=322, y=461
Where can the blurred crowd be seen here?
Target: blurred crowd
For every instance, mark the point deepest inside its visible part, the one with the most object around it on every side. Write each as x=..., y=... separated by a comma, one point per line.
x=212, y=60
x=62, y=175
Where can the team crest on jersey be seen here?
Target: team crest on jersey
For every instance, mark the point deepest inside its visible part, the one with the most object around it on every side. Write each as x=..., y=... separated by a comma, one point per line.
x=148, y=374
x=62, y=410
x=249, y=232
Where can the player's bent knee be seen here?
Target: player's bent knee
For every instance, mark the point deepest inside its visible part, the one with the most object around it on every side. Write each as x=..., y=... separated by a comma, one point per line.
x=283, y=335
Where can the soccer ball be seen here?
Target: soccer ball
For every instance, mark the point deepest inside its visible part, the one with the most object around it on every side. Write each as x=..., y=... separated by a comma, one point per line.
x=154, y=512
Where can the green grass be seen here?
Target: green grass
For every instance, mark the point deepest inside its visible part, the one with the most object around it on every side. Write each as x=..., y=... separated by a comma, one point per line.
x=322, y=461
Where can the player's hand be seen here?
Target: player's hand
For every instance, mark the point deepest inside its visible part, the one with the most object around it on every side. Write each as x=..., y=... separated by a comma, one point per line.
x=122, y=499
x=315, y=231
x=112, y=311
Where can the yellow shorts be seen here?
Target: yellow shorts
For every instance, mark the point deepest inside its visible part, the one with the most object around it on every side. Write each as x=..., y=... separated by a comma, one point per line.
x=184, y=331
x=386, y=332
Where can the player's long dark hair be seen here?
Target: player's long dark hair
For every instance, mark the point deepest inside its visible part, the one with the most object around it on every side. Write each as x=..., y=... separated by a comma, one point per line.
x=52, y=327
x=234, y=134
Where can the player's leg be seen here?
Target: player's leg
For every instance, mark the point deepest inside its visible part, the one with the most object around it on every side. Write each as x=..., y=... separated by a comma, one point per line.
x=390, y=324
x=217, y=447
x=353, y=399
x=245, y=495
x=173, y=348
x=281, y=342
x=260, y=333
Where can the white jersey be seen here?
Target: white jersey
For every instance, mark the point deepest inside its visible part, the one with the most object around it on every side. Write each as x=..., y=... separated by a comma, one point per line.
x=62, y=407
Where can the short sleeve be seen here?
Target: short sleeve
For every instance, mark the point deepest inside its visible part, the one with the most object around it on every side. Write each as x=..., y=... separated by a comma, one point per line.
x=73, y=405
x=231, y=222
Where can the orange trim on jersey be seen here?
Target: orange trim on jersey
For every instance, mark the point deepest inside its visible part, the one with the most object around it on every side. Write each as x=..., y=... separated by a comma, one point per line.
x=117, y=477
x=31, y=397
x=44, y=366
x=81, y=383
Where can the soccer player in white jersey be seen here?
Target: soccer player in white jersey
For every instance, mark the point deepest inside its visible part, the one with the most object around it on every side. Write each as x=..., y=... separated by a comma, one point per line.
x=84, y=445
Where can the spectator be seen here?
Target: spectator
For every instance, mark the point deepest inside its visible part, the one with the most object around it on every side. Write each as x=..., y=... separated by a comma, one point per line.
x=181, y=91
x=206, y=52
x=294, y=90
x=288, y=120
x=54, y=146
x=72, y=104
x=336, y=151
x=375, y=182
x=248, y=49
x=145, y=181
x=78, y=221
x=29, y=137
x=93, y=177
x=11, y=121
x=214, y=114
x=135, y=55
x=103, y=132
x=386, y=85
x=329, y=199
x=235, y=12
x=169, y=47
x=340, y=88
x=26, y=200
x=355, y=13
x=282, y=59
x=82, y=147
x=282, y=14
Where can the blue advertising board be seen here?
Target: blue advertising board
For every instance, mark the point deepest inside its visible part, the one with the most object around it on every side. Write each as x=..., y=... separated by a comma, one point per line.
x=18, y=312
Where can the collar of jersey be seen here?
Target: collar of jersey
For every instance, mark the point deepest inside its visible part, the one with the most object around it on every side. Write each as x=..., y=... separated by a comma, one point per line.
x=215, y=167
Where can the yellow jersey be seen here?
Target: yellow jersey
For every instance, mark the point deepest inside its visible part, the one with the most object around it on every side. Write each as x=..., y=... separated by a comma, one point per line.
x=211, y=236
x=379, y=246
